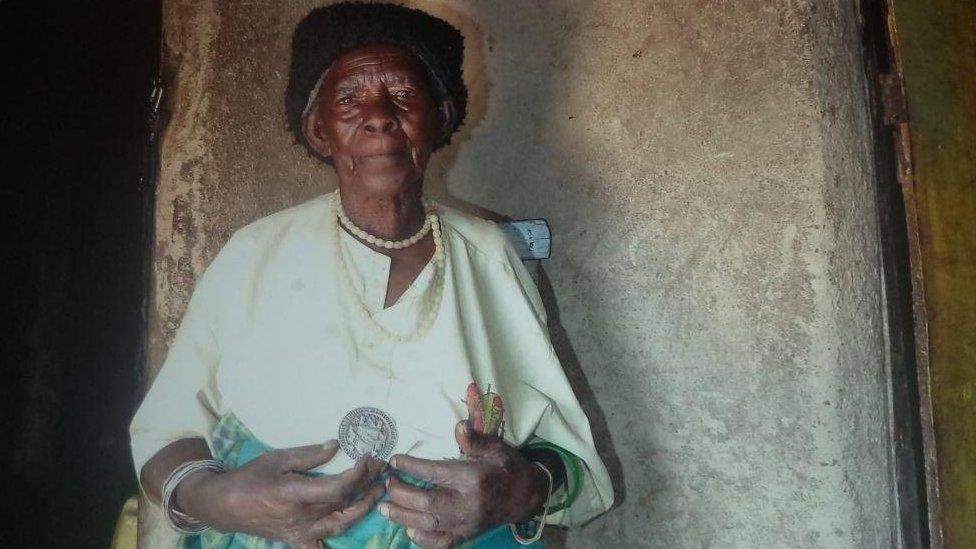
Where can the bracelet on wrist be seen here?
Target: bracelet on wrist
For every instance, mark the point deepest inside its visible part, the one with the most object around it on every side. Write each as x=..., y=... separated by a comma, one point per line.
x=539, y=522
x=178, y=520
x=573, y=469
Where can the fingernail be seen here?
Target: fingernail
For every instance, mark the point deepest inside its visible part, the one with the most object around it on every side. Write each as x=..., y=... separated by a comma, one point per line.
x=411, y=532
x=329, y=445
x=385, y=510
x=393, y=462
x=387, y=483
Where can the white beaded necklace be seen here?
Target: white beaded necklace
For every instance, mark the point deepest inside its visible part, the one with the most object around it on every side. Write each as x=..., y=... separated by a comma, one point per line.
x=388, y=244
x=432, y=306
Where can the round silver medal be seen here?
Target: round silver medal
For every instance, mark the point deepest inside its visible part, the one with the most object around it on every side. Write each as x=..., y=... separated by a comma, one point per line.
x=367, y=431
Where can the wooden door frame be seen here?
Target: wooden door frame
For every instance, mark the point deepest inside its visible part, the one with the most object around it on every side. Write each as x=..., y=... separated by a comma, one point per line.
x=912, y=453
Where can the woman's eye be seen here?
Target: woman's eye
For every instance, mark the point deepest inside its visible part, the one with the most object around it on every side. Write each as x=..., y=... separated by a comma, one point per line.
x=402, y=94
x=344, y=101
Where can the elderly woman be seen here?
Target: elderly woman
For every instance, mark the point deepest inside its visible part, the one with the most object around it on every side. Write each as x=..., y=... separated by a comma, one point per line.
x=404, y=333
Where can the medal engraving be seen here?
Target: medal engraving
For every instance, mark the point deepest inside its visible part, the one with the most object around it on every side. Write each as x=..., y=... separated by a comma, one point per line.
x=367, y=431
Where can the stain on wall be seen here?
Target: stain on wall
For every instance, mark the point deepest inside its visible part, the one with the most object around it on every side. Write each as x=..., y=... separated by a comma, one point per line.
x=715, y=284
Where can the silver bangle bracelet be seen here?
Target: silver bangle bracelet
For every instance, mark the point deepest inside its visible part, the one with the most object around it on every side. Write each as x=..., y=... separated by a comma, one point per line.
x=178, y=520
x=542, y=519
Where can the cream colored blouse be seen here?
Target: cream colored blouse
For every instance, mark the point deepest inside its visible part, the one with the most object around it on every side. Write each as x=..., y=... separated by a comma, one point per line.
x=269, y=336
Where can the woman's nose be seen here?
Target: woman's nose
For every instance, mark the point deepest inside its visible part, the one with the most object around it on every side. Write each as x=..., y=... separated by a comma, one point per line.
x=380, y=116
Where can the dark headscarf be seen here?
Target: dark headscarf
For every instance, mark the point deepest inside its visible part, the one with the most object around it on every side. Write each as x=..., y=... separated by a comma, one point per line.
x=330, y=31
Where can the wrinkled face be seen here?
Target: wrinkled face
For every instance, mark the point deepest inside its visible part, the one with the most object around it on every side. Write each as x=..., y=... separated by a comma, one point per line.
x=377, y=119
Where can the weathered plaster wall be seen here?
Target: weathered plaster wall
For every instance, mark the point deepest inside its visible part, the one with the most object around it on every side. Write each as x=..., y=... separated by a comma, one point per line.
x=714, y=286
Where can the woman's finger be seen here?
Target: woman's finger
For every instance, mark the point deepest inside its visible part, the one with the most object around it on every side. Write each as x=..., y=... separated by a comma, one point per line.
x=355, y=480
x=337, y=488
x=304, y=458
x=339, y=521
x=439, y=472
x=376, y=466
x=412, y=497
x=432, y=540
x=411, y=518
x=472, y=443
x=367, y=498
x=334, y=489
x=365, y=503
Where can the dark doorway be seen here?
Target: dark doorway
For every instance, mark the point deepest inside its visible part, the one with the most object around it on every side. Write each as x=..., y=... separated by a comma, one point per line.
x=77, y=82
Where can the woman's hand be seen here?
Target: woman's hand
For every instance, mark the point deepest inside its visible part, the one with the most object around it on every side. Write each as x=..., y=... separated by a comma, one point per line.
x=494, y=485
x=271, y=497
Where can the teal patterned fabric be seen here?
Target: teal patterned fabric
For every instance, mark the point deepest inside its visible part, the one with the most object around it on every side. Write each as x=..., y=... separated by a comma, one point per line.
x=235, y=445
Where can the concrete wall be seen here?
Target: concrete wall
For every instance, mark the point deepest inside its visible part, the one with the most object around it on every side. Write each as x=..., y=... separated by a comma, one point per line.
x=715, y=284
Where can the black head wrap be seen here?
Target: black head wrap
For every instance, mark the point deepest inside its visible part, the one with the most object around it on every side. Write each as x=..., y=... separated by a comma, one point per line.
x=330, y=31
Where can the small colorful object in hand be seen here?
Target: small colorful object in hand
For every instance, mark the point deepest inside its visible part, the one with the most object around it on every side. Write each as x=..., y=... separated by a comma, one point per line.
x=485, y=410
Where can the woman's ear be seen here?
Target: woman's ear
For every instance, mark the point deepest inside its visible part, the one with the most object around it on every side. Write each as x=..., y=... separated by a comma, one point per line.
x=315, y=134
x=447, y=116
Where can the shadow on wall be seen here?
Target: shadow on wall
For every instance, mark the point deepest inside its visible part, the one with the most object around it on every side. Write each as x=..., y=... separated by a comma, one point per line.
x=479, y=87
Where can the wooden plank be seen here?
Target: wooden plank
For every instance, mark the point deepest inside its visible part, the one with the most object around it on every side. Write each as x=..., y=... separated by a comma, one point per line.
x=936, y=55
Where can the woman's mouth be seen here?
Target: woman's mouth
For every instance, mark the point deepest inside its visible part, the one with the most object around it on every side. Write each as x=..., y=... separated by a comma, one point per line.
x=392, y=156
x=382, y=162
